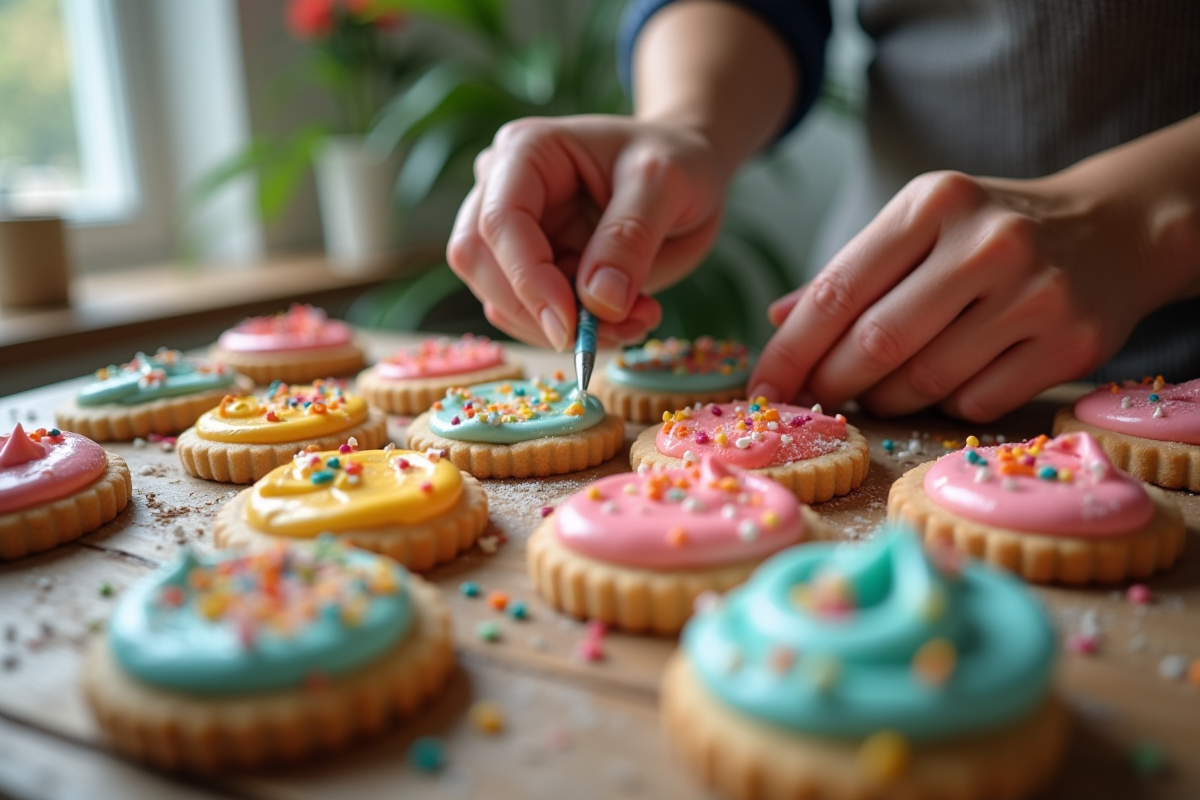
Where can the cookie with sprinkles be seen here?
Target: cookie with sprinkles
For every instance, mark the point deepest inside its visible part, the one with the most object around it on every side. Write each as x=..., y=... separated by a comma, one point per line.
x=1050, y=510
x=55, y=486
x=817, y=456
x=519, y=429
x=876, y=670
x=412, y=378
x=297, y=345
x=417, y=508
x=643, y=382
x=635, y=550
x=160, y=394
x=246, y=436
x=1150, y=429
x=237, y=661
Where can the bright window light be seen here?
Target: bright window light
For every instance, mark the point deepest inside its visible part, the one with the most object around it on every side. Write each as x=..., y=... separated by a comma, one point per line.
x=64, y=127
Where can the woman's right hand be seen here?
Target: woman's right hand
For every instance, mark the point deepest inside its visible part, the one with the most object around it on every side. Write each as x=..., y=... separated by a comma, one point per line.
x=619, y=206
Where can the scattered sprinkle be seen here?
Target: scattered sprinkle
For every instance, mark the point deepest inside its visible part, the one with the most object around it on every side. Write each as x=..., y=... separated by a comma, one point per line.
x=1173, y=667
x=487, y=631
x=106, y=589
x=518, y=610
x=427, y=754
x=469, y=589
x=1139, y=594
x=884, y=756
x=487, y=717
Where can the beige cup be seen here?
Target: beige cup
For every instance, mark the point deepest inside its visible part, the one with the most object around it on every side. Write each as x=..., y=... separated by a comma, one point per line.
x=33, y=262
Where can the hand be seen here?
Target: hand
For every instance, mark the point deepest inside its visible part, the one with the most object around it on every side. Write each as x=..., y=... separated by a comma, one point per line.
x=623, y=207
x=970, y=293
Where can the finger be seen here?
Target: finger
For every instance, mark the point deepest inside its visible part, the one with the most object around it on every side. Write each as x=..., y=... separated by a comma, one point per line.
x=778, y=311
x=902, y=322
x=645, y=316
x=679, y=255
x=644, y=205
x=964, y=349
x=1018, y=374
x=512, y=203
x=890, y=247
x=471, y=259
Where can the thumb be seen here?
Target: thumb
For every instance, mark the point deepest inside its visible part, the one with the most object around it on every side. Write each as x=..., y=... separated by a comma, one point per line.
x=627, y=239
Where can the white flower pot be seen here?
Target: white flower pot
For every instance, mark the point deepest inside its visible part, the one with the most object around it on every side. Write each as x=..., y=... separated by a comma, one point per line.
x=354, y=189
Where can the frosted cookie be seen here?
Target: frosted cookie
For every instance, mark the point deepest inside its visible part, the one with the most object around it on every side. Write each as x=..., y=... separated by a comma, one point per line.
x=1149, y=429
x=414, y=507
x=635, y=550
x=1050, y=510
x=660, y=376
x=816, y=456
x=55, y=487
x=410, y=380
x=245, y=437
x=163, y=393
x=519, y=429
x=237, y=661
x=301, y=344
x=855, y=671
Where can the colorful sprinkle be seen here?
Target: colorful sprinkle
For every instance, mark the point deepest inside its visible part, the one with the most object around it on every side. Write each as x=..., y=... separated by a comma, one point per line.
x=497, y=600
x=934, y=662
x=885, y=756
x=469, y=589
x=1139, y=594
x=427, y=754
x=487, y=717
x=487, y=631
x=518, y=610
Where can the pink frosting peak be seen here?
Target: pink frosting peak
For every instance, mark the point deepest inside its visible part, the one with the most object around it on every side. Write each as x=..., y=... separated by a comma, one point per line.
x=18, y=448
x=697, y=516
x=1165, y=412
x=435, y=358
x=751, y=435
x=1064, y=486
x=301, y=327
x=40, y=467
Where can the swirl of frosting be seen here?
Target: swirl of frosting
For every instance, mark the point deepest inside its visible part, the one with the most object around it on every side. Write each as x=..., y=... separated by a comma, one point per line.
x=751, y=435
x=46, y=465
x=681, y=365
x=698, y=516
x=301, y=327
x=847, y=640
x=165, y=374
x=342, y=490
x=1065, y=486
x=272, y=619
x=436, y=358
x=505, y=412
x=284, y=414
x=1165, y=412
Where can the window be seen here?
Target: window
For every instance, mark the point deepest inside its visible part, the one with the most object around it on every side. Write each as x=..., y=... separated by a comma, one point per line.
x=64, y=134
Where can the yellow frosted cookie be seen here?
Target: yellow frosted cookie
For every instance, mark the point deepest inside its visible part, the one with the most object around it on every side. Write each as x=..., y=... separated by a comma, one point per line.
x=414, y=507
x=247, y=436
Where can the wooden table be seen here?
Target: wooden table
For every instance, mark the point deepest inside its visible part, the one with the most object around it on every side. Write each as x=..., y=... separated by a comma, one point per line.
x=574, y=729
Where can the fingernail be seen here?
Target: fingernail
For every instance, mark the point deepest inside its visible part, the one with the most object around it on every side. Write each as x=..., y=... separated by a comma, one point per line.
x=554, y=328
x=610, y=287
x=767, y=390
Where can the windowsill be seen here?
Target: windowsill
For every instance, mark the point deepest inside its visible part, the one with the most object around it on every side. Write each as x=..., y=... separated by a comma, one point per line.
x=114, y=314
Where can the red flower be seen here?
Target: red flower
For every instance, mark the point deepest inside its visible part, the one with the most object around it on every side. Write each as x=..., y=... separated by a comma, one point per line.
x=368, y=11
x=310, y=19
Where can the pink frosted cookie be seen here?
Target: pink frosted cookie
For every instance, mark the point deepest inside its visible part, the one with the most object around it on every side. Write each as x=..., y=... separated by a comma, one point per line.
x=55, y=487
x=816, y=456
x=298, y=345
x=636, y=549
x=411, y=379
x=1149, y=429
x=1050, y=510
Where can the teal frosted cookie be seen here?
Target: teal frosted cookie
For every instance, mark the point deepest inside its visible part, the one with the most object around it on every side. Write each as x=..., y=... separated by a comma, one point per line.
x=260, y=643
x=519, y=429
x=506, y=412
x=876, y=660
x=160, y=394
x=663, y=375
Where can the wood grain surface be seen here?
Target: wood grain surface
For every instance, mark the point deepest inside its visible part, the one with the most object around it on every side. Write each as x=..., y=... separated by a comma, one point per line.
x=573, y=729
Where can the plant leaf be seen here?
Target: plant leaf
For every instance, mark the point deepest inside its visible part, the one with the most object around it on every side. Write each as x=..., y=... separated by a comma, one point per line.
x=418, y=297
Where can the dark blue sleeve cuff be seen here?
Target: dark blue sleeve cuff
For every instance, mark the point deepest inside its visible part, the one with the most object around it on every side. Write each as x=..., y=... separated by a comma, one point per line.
x=804, y=26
